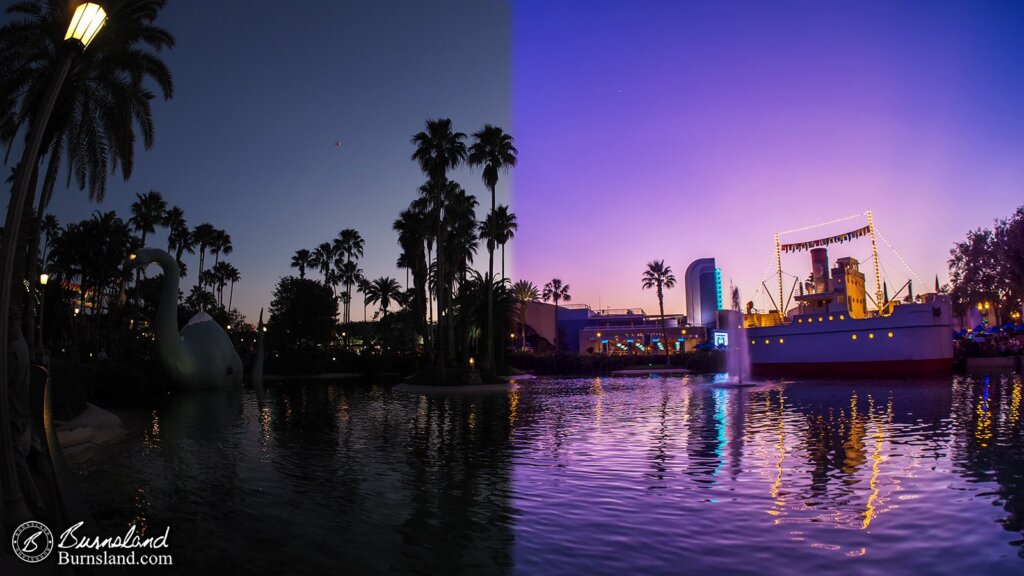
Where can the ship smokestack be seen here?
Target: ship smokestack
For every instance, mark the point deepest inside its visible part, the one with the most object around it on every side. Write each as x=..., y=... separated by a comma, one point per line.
x=819, y=269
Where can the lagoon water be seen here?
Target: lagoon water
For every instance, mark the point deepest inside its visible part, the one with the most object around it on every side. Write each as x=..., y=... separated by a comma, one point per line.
x=579, y=476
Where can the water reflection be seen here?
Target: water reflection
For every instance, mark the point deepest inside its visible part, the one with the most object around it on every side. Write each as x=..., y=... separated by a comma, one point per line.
x=588, y=475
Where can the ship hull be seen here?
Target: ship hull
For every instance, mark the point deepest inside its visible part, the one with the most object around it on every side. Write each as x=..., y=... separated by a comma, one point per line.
x=915, y=341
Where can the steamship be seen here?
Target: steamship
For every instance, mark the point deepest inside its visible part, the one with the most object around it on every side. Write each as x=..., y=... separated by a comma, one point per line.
x=831, y=333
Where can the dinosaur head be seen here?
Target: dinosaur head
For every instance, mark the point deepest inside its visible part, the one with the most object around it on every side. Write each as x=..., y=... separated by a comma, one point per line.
x=144, y=256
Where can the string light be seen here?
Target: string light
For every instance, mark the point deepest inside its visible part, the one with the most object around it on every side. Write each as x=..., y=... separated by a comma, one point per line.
x=898, y=255
x=822, y=224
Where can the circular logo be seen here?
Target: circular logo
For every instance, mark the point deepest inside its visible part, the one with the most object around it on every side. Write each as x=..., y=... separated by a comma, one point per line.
x=32, y=541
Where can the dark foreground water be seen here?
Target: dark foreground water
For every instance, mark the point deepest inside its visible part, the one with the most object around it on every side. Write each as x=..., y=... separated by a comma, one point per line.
x=581, y=476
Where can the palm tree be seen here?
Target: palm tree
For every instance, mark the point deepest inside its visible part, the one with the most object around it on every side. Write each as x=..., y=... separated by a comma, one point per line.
x=232, y=275
x=92, y=129
x=302, y=259
x=439, y=149
x=364, y=286
x=497, y=229
x=348, y=273
x=661, y=278
x=323, y=260
x=148, y=212
x=524, y=292
x=349, y=247
x=221, y=245
x=204, y=236
x=50, y=228
x=492, y=149
x=414, y=237
x=383, y=290
x=222, y=273
x=179, y=236
x=556, y=292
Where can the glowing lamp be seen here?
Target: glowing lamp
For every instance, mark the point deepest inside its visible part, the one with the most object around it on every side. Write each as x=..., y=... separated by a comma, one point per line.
x=86, y=23
x=472, y=362
x=44, y=278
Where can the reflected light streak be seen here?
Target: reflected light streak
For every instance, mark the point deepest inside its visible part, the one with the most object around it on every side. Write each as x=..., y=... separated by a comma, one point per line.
x=876, y=461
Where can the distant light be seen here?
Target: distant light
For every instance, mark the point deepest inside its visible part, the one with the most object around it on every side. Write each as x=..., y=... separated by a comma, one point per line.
x=44, y=278
x=871, y=336
x=830, y=318
x=765, y=340
x=472, y=362
x=782, y=341
x=86, y=23
x=854, y=336
x=890, y=334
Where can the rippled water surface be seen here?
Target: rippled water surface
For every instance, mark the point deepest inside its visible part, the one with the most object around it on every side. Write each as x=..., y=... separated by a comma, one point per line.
x=580, y=476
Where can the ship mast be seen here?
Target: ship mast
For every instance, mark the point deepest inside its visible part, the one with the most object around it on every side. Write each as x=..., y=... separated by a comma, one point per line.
x=778, y=263
x=874, y=256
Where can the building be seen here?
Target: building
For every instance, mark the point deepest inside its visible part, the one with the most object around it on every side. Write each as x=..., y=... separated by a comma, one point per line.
x=703, y=285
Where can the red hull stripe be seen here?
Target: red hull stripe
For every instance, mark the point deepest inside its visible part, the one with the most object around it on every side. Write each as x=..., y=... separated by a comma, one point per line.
x=886, y=369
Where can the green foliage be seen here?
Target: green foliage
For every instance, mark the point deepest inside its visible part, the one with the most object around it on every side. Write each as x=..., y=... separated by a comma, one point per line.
x=989, y=266
x=302, y=314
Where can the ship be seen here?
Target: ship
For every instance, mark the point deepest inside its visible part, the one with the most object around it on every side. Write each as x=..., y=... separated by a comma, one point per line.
x=832, y=333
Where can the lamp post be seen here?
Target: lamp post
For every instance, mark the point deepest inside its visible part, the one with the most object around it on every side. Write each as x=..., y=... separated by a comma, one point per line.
x=86, y=22
x=43, y=279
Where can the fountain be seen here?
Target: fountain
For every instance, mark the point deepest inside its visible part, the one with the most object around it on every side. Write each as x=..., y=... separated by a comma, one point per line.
x=737, y=356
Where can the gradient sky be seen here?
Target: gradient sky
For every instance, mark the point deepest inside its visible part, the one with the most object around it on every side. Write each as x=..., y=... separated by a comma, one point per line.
x=646, y=130
x=263, y=90
x=678, y=130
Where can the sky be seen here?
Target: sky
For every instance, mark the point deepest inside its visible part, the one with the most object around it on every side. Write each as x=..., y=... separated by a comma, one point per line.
x=646, y=130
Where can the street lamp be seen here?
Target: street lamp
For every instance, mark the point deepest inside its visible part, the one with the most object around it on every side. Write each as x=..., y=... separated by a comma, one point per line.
x=87, y=21
x=43, y=279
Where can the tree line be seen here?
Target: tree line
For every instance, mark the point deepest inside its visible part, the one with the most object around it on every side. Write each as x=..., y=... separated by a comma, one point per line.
x=988, y=266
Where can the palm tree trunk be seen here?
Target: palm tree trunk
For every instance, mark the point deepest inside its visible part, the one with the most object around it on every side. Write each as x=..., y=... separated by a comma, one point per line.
x=664, y=327
x=556, y=325
x=489, y=334
x=231, y=294
x=503, y=261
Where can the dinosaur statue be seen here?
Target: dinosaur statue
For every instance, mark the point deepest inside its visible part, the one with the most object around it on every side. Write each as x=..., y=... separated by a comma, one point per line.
x=202, y=355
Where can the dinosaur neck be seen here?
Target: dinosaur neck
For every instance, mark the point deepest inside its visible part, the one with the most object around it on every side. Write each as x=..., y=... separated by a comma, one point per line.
x=165, y=326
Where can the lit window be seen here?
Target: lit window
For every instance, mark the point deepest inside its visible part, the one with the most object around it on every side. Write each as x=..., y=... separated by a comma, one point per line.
x=854, y=336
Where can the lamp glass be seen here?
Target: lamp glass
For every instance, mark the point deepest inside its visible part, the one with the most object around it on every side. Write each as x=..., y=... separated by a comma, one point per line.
x=86, y=23
x=44, y=278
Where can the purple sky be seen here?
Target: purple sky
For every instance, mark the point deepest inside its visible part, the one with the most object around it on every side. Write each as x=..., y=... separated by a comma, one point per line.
x=668, y=130
x=646, y=130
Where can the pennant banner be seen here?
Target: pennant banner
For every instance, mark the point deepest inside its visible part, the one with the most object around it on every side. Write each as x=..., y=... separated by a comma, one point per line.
x=822, y=242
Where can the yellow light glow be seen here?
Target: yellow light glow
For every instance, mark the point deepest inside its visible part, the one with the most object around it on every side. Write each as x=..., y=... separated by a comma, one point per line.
x=890, y=334
x=799, y=320
x=853, y=336
x=44, y=278
x=841, y=317
x=830, y=318
x=598, y=334
x=765, y=340
x=871, y=336
x=810, y=320
x=781, y=341
x=752, y=342
x=472, y=362
x=132, y=256
x=820, y=319
x=86, y=23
